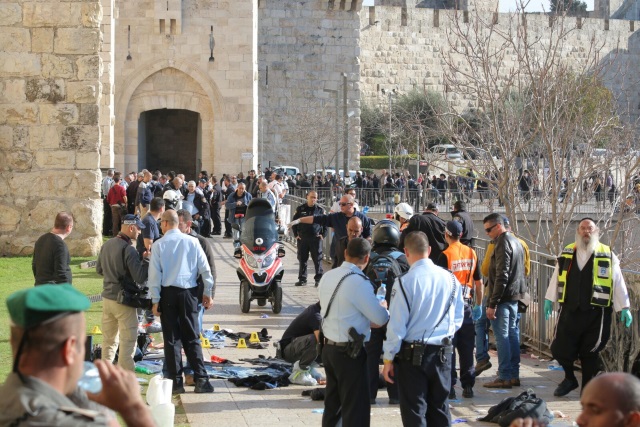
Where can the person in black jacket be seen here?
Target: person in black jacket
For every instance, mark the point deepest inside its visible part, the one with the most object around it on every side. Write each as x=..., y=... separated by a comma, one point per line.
x=460, y=214
x=505, y=286
x=215, y=199
x=310, y=238
x=386, y=238
x=431, y=225
x=51, y=258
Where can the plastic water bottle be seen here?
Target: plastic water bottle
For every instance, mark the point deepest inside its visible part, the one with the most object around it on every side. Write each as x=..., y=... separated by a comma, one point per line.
x=365, y=210
x=381, y=294
x=90, y=379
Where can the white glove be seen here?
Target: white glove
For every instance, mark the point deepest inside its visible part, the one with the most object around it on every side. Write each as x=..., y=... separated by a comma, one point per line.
x=294, y=222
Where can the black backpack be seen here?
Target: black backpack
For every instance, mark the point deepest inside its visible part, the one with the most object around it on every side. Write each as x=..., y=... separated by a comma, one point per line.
x=384, y=269
x=526, y=404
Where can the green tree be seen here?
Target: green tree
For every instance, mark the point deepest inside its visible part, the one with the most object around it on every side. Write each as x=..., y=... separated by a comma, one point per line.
x=570, y=7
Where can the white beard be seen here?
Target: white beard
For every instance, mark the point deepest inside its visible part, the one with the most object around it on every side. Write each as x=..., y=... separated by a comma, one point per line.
x=590, y=246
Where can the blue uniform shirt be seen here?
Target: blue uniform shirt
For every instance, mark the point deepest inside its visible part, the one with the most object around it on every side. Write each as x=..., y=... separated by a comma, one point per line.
x=355, y=304
x=177, y=260
x=428, y=289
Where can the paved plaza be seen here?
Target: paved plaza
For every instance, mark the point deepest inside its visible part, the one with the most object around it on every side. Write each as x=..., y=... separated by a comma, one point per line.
x=239, y=406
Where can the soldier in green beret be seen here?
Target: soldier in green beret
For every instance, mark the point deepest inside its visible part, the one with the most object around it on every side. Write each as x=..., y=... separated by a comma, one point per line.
x=48, y=334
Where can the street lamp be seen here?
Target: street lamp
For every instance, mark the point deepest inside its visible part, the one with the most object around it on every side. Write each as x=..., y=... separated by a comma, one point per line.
x=390, y=93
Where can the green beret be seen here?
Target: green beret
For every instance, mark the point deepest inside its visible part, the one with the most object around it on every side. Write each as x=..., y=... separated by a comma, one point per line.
x=33, y=306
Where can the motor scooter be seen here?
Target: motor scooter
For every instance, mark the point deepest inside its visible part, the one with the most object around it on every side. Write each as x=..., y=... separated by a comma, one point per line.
x=260, y=270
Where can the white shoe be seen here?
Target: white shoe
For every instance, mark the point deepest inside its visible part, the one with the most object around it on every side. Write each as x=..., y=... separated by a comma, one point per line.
x=315, y=373
x=301, y=376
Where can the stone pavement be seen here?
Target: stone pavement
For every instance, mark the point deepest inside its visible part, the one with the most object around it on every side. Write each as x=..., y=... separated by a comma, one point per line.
x=238, y=406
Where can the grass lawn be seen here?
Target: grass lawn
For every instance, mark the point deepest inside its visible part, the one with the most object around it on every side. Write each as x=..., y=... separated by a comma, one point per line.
x=15, y=274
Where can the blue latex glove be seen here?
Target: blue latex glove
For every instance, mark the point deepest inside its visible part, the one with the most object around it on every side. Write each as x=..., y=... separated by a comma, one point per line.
x=625, y=316
x=548, y=308
x=476, y=313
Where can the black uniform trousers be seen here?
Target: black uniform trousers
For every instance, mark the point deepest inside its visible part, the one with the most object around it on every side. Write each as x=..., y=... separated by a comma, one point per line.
x=215, y=218
x=106, y=218
x=302, y=349
x=347, y=392
x=374, y=351
x=424, y=390
x=464, y=341
x=179, y=316
x=227, y=224
x=577, y=336
x=311, y=245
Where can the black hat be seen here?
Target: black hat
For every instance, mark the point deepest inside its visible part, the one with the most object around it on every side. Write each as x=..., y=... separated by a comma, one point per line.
x=432, y=207
x=460, y=205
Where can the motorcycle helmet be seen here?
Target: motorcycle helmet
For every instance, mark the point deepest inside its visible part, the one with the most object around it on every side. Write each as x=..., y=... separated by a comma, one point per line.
x=171, y=199
x=403, y=210
x=386, y=232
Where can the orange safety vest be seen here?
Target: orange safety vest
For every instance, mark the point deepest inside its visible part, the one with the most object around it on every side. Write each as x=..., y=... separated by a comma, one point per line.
x=462, y=261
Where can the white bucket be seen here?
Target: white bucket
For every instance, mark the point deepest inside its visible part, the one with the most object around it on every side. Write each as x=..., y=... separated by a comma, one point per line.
x=159, y=391
x=163, y=414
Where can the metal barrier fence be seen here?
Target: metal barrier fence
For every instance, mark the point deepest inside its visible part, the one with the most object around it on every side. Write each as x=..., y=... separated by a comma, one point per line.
x=384, y=200
x=535, y=331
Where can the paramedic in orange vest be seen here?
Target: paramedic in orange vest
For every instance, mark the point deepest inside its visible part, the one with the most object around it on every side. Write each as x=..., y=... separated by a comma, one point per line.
x=462, y=261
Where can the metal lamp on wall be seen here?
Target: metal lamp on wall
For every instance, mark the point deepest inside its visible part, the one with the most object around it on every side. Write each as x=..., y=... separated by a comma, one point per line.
x=212, y=43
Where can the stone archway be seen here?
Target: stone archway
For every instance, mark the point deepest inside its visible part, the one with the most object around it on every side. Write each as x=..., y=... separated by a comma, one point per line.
x=165, y=88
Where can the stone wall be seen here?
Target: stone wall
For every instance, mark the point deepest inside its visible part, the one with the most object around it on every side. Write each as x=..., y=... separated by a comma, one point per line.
x=167, y=65
x=407, y=57
x=50, y=92
x=306, y=47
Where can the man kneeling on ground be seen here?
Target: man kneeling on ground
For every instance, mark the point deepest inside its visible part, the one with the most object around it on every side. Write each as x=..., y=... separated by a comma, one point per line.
x=298, y=346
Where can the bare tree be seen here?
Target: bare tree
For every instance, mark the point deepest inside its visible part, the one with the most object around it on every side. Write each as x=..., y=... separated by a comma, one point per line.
x=536, y=111
x=313, y=134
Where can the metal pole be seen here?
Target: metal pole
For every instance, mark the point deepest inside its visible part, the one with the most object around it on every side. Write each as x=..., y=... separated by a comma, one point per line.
x=418, y=156
x=389, y=133
x=345, y=161
x=337, y=130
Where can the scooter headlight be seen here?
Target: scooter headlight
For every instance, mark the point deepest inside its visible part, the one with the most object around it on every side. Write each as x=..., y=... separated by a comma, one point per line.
x=251, y=261
x=267, y=261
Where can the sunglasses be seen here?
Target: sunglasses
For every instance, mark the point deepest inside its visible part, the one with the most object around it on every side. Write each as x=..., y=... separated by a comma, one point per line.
x=488, y=230
x=345, y=204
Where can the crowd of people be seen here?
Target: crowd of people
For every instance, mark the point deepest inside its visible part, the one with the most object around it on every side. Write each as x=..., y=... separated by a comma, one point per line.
x=408, y=293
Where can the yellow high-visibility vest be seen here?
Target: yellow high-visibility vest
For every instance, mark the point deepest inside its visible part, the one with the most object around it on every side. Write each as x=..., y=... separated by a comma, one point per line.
x=602, y=287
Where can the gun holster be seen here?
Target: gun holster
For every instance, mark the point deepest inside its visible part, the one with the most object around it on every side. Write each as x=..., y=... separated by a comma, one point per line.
x=355, y=346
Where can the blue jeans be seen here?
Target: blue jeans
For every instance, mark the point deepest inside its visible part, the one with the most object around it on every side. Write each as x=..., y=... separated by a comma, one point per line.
x=482, y=334
x=236, y=233
x=505, y=330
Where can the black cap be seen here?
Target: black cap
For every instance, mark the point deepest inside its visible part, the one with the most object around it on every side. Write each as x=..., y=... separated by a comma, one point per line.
x=432, y=207
x=133, y=220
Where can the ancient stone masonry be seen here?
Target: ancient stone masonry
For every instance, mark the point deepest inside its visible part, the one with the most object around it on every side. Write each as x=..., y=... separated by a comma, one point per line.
x=409, y=55
x=50, y=93
x=163, y=60
x=303, y=49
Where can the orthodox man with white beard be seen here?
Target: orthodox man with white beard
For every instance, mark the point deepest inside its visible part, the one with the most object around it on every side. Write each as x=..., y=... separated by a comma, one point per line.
x=588, y=284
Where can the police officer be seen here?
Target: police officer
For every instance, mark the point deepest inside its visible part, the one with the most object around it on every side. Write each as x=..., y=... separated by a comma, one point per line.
x=462, y=261
x=48, y=339
x=310, y=238
x=586, y=282
x=385, y=264
x=338, y=220
x=426, y=311
x=348, y=304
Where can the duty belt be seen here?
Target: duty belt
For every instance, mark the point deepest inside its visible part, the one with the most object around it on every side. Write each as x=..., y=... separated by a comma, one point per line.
x=337, y=344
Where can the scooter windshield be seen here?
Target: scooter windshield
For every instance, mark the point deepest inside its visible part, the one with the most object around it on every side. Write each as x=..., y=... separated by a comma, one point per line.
x=259, y=232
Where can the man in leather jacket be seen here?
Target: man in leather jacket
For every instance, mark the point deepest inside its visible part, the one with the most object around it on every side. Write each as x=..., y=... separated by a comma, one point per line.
x=506, y=285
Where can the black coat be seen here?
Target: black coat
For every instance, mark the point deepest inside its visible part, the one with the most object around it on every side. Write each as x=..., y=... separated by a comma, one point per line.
x=431, y=225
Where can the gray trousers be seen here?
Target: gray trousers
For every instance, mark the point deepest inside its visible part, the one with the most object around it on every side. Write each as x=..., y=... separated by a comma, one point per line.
x=303, y=349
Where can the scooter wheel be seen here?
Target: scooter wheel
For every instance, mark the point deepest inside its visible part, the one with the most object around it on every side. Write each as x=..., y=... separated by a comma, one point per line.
x=276, y=306
x=245, y=296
